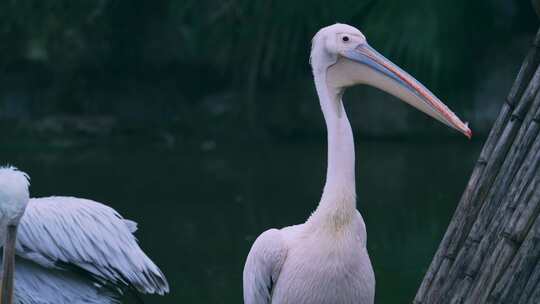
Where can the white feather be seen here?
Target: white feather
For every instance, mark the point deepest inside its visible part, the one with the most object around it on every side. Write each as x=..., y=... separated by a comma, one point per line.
x=89, y=235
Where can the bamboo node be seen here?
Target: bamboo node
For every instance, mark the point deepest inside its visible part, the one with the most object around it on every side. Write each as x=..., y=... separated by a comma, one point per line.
x=511, y=240
x=449, y=256
x=517, y=117
x=470, y=275
x=511, y=208
x=481, y=161
x=473, y=241
x=510, y=102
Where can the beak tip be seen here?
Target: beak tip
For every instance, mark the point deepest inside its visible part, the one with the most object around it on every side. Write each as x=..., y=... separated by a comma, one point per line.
x=468, y=133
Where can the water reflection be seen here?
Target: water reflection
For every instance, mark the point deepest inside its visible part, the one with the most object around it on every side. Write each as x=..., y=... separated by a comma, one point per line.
x=199, y=210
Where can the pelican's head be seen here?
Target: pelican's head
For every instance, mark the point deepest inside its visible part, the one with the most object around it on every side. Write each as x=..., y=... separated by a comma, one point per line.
x=14, y=195
x=342, y=53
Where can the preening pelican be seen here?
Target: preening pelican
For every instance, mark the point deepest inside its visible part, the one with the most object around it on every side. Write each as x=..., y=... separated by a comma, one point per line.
x=68, y=250
x=325, y=260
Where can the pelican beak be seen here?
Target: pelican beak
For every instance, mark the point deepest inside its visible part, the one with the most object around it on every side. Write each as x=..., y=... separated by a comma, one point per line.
x=6, y=297
x=374, y=69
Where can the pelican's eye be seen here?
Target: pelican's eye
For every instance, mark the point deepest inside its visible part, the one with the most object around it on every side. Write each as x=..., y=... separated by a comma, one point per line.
x=345, y=38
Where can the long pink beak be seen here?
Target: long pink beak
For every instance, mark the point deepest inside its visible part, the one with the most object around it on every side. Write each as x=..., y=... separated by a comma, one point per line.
x=390, y=78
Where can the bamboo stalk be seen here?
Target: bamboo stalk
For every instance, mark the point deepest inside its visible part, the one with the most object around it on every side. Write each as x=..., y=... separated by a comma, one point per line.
x=474, y=237
x=471, y=254
x=499, y=257
x=474, y=261
x=531, y=287
x=513, y=282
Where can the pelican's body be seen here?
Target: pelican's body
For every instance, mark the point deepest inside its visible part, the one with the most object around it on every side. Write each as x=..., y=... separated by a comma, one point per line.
x=324, y=265
x=72, y=250
x=325, y=260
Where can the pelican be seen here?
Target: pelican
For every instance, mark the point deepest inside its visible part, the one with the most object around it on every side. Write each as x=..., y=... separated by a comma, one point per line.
x=325, y=259
x=68, y=250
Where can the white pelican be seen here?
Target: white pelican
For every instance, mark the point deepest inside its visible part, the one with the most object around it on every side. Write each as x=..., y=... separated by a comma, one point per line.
x=325, y=259
x=69, y=250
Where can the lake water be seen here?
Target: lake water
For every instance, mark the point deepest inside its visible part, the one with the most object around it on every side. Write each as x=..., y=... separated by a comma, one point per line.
x=200, y=206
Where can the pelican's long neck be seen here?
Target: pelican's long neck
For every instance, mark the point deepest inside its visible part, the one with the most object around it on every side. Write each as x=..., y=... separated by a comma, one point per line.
x=338, y=201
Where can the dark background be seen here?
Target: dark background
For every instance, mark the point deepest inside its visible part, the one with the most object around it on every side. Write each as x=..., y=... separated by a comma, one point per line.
x=183, y=69
x=199, y=120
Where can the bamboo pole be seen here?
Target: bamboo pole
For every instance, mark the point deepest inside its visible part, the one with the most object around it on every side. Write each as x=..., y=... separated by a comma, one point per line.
x=481, y=237
x=490, y=249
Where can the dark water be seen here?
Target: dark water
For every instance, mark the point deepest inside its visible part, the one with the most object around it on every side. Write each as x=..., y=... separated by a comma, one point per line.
x=200, y=207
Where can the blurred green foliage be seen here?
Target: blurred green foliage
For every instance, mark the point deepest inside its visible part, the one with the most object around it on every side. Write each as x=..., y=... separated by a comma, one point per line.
x=60, y=52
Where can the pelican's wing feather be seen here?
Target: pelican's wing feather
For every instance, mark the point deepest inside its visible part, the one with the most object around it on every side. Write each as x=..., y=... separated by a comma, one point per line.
x=35, y=284
x=89, y=235
x=263, y=266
